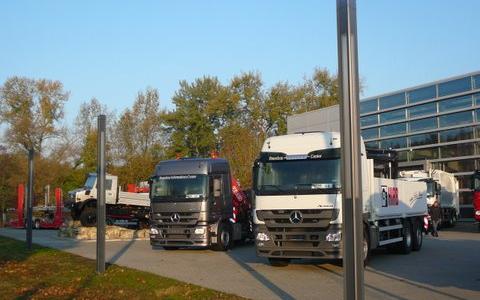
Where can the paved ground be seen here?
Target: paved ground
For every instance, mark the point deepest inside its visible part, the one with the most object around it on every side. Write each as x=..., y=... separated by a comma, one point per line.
x=447, y=267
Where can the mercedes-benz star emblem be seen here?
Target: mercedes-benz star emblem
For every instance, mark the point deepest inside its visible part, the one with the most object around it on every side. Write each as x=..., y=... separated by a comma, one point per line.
x=175, y=218
x=296, y=217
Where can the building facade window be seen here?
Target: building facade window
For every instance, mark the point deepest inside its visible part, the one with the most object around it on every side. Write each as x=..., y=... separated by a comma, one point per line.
x=476, y=99
x=455, y=86
x=402, y=155
x=392, y=101
x=371, y=133
x=422, y=110
x=423, y=139
x=465, y=133
x=393, y=143
x=425, y=153
x=391, y=116
x=394, y=129
x=457, y=150
x=368, y=106
x=456, y=119
x=421, y=94
x=455, y=103
x=456, y=166
x=464, y=181
x=476, y=80
x=423, y=124
x=371, y=145
x=369, y=120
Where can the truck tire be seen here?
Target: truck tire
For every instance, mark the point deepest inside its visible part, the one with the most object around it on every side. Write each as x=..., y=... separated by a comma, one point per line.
x=406, y=244
x=36, y=224
x=224, y=238
x=417, y=235
x=452, y=218
x=88, y=217
x=366, y=247
x=278, y=262
x=170, y=248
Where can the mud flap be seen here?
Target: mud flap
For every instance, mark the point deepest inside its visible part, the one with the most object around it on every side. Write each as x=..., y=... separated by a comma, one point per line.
x=373, y=231
x=237, y=231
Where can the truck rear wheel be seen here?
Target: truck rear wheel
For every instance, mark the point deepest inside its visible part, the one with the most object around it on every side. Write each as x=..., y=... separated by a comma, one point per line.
x=452, y=218
x=406, y=244
x=278, y=262
x=417, y=236
x=88, y=217
x=224, y=238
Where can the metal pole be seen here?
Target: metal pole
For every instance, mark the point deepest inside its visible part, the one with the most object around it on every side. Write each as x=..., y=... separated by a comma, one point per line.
x=30, y=198
x=351, y=159
x=101, y=194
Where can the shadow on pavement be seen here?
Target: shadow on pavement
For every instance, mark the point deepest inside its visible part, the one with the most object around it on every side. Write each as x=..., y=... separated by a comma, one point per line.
x=440, y=263
x=120, y=252
x=246, y=253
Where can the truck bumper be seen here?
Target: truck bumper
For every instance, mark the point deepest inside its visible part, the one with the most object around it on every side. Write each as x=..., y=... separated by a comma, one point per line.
x=273, y=245
x=191, y=237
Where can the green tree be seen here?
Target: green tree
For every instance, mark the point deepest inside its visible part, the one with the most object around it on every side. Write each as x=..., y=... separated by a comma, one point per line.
x=31, y=109
x=139, y=137
x=193, y=125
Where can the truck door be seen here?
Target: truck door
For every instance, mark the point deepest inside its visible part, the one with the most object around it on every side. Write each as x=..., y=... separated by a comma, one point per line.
x=216, y=187
x=110, y=190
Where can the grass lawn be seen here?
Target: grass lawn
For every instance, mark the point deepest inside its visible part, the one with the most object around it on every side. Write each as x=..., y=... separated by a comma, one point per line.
x=46, y=273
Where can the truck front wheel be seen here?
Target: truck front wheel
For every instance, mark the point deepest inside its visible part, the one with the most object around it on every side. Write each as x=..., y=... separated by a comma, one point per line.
x=88, y=217
x=417, y=236
x=278, y=262
x=406, y=245
x=224, y=238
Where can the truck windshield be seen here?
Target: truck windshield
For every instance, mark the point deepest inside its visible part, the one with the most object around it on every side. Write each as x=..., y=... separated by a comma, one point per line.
x=319, y=176
x=90, y=183
x=189, y=187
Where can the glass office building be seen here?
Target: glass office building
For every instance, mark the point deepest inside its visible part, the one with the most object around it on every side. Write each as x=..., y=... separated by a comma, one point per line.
x=438, y=122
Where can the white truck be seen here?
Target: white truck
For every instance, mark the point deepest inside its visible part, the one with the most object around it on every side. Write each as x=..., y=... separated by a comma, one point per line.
x=122, y=208
x=442, y=187
x=298, y=201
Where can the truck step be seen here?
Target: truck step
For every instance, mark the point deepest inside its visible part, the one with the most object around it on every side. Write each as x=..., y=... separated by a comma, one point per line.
x=391, y=227
x=390, y=241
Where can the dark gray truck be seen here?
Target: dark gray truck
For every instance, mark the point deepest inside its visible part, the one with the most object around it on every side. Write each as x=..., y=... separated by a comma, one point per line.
x=192, y=205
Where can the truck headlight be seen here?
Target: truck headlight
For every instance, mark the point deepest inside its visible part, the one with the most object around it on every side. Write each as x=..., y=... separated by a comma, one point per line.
x=261, y=236
x=477, y=213
x=153, y=231
x=199, y=230
x=334, y=237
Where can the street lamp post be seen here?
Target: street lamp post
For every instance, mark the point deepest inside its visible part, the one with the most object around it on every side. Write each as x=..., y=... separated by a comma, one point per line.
x=351, y=155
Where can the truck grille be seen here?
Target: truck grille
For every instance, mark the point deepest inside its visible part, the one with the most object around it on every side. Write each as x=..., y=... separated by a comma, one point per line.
x=173, y=219
x=293, y=230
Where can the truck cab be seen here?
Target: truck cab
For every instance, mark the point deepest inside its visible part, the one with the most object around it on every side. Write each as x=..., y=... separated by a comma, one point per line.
x=122, y=208
x=298, y=201
x=89, y=190
x=191, y=205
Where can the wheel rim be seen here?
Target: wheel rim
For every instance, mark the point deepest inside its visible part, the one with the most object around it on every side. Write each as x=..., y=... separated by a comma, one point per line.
x=225, y=238
x=365, y=249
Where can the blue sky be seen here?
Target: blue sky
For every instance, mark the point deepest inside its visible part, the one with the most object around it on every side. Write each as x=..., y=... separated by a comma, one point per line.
x=111, y=50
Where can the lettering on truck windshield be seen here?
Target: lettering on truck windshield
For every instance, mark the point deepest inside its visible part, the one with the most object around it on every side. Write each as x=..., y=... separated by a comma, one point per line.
x=315, y=173
x=188, y=187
